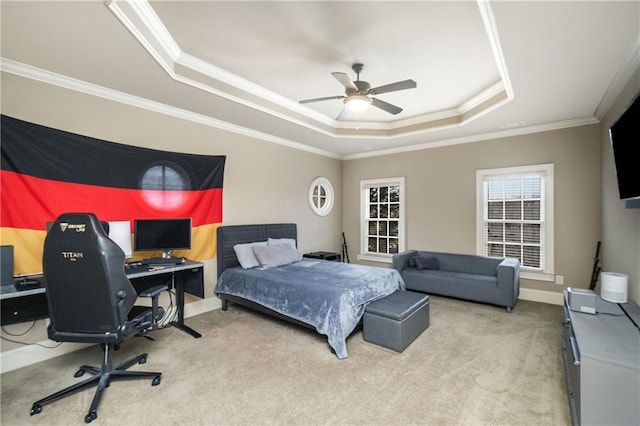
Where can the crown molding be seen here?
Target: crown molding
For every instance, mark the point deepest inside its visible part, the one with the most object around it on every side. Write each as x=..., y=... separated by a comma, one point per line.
x=48, y=77
x=630, y=65
x=494, y=40
x=557, y=125
x=138, y=16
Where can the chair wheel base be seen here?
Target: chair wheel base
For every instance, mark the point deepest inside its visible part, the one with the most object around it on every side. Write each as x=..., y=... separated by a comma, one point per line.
x=90, y=417
x=156, y=381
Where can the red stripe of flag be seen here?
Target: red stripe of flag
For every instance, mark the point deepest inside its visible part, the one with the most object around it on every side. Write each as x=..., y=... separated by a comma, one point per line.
x=29, y=202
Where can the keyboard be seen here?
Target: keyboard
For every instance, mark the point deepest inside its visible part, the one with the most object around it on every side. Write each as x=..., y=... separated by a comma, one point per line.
x=22, y=284
x=162, y=261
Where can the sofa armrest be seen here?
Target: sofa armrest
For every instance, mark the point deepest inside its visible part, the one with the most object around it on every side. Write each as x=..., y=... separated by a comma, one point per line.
x=400, y=260
x=509, y=278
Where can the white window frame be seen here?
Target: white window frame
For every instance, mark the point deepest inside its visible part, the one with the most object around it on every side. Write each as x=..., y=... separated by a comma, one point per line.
x=545, y=171
x=364, y=216
x=321, y=190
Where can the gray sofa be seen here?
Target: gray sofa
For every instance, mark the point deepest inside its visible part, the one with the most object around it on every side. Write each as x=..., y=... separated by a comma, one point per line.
x=491, y=280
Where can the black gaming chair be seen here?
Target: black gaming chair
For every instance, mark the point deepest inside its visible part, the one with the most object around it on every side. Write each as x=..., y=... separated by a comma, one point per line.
x=91, y=301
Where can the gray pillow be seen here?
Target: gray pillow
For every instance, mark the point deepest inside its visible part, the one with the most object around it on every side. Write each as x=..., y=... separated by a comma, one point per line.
x=245, y=255
x=424, y=262
x=276, y=255
x=274, y=241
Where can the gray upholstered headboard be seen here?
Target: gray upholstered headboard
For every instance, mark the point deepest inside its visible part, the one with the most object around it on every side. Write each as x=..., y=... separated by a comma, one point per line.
x=228, y=236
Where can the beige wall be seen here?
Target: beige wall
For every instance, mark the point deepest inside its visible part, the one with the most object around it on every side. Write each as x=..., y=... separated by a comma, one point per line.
x=263, y=182
x=441, y=194
x=620, y=226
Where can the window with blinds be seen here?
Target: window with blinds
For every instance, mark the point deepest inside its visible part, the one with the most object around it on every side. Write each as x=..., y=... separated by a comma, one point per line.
x=513, y=220
x=515, y=211
x=382, y=219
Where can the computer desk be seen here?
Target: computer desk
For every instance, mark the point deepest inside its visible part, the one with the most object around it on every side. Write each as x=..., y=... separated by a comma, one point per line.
x=28, y=305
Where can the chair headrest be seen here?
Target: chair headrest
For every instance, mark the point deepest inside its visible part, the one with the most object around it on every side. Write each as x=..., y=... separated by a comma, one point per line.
x=79, y=222
x=80, y=238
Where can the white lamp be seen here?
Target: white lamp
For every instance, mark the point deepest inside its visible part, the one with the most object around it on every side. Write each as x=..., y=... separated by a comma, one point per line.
x=614, y=287
x=357, y=103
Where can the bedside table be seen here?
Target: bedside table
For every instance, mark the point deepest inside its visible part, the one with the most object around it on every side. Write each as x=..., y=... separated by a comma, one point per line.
x=324, y=255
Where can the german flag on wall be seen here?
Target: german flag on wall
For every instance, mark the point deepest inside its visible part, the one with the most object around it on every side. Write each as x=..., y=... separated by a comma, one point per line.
x=46, y=172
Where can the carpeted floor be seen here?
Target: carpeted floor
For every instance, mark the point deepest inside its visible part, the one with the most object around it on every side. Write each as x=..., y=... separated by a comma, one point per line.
x=475, y=365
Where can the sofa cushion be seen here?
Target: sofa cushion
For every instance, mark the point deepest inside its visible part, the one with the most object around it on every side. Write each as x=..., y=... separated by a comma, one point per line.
x=454, y=284
x=469, y=264
x=426, y=262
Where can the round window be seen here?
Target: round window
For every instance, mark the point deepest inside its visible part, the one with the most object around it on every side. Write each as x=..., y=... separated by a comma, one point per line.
x=321, y=196
x=163, y=186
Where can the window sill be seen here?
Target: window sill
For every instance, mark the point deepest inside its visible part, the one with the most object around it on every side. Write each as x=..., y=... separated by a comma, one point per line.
x=375, y=258
x=537, y=276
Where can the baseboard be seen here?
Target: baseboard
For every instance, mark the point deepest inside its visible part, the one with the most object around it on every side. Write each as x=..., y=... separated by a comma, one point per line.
x=201, y=306
x=542, y=296
x=34, y=353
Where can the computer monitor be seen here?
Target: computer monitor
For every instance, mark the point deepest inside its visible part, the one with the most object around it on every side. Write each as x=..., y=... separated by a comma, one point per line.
x=163, y=235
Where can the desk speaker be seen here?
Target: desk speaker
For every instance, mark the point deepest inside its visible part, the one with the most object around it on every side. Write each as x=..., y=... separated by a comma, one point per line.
x=6, y=265
x=581, y=300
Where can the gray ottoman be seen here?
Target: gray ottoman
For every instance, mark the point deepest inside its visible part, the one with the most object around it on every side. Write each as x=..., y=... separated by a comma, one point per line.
x=396, y=320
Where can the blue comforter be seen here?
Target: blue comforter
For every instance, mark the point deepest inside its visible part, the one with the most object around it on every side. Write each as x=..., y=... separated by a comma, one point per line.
x=331, y=296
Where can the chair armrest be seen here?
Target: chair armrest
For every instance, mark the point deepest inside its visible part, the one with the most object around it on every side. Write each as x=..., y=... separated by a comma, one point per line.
x=157, y=312
x=401, y=260
x=153, y=291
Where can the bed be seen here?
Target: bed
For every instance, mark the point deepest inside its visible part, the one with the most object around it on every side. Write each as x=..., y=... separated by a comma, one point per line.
x=329, y=297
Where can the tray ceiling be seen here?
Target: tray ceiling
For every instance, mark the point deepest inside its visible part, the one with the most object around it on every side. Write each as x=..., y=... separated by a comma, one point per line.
x=482, y=69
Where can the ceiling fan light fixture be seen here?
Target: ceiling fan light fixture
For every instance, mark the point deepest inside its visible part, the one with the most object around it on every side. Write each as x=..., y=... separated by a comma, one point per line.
x=357, y=103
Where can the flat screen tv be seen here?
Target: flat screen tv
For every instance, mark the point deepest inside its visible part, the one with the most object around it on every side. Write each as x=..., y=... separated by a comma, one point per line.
x=163, y=235
x=625, y=141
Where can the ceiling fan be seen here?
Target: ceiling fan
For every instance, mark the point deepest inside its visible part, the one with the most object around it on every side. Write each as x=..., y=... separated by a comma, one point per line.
x=358, y=94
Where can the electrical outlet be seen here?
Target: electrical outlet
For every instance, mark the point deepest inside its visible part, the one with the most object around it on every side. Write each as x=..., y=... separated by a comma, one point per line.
x=560, y=279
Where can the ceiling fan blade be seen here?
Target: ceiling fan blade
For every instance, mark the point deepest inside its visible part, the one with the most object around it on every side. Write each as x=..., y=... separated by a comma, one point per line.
x=391, y=109
x=399, y=85
x=345, y=80
x=306, y=101
x=343, y=115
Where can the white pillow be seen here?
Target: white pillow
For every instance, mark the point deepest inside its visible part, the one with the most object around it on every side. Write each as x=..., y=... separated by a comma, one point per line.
x=276, y=255
x=244, y=253
x=289, y=241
